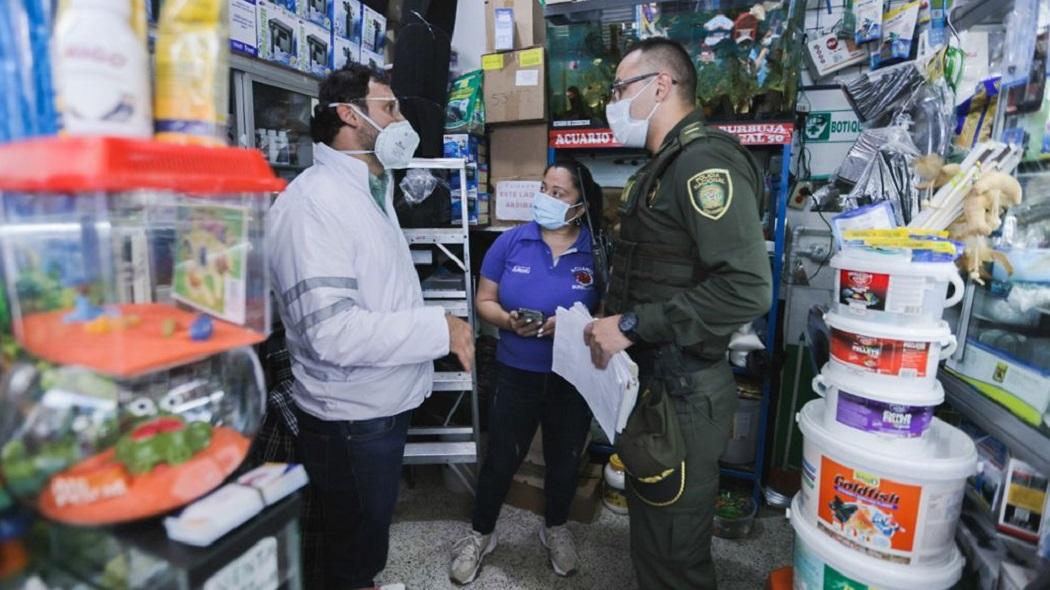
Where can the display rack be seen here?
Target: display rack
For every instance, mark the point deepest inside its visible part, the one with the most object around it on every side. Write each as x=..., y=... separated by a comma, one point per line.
x=456, y=445
x=753, y=135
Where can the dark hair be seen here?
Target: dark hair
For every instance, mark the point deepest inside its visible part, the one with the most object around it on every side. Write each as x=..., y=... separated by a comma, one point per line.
x=584, y=183
x=674, y=58
x=346, y=84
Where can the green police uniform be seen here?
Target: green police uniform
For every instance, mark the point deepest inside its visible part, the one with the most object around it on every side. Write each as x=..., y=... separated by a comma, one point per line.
x=690, y=261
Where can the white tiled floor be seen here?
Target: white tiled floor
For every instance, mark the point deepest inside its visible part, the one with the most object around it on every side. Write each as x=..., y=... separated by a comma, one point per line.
x=430, y=518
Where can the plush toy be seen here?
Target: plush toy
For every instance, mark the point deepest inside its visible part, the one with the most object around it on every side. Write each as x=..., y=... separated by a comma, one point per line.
x=982, y=208
x=934, y=172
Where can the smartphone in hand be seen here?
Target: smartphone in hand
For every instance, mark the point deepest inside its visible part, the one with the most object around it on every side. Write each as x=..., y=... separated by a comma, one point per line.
x=531, y=316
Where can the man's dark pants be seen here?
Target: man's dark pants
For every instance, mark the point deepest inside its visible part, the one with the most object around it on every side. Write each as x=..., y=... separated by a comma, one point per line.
x=355, y=472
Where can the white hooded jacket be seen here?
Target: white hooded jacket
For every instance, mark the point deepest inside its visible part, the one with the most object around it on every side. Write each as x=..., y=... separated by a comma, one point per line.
x=360, y=338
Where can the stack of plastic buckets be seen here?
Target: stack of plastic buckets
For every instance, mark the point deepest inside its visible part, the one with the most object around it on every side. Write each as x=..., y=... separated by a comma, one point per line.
x=883, y=480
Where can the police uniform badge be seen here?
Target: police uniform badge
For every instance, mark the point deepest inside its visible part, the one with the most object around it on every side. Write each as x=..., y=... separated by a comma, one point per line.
x=711, y=192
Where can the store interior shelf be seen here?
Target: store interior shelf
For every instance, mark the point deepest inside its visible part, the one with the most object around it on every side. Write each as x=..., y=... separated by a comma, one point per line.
x=438, y=235
x=1024, y=442
x=738, y=472
x=440, y=452
x=580, y=10
x=273, y=73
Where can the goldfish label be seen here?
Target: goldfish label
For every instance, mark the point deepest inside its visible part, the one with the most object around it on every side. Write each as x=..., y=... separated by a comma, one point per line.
x=882, y=356
x=876, y=515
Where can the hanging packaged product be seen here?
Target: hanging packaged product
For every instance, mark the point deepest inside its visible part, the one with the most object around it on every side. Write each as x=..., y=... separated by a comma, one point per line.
x=1021, y=513
x=466, y=109
x=875, y=94
x=193, y=56
x=898, y=35
x=898, y=509
x=1019, y=48
x=828, y=54
x=868, y=15
x=887, y=287
x=108, y=96
x=887, y=354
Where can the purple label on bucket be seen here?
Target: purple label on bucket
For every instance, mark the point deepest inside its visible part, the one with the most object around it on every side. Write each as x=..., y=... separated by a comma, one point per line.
x=879, y=417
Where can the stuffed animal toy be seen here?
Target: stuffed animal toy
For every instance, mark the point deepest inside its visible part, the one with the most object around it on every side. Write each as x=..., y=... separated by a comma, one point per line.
x=982, y=207
x=934, y=172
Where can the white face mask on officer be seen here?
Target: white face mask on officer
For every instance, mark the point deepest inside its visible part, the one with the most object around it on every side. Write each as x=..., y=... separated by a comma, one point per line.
x=395, y=144
x=629, y=131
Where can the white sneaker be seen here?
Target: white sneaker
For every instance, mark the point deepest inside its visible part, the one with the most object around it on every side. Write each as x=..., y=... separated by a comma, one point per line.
x=467, y=555
x=560, y=548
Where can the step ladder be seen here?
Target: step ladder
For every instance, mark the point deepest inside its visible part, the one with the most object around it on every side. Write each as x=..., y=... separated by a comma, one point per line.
x=455, y=445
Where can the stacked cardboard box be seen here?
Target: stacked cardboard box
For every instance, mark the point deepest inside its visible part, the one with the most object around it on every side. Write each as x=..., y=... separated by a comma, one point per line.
x=314, y=36
x=526, y=490
x=474, y=150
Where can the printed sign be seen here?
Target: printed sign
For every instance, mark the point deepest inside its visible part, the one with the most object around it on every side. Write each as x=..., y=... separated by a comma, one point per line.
x=255, y=570
x=880, y=355
x=831, y=128
x=877, y=514
x=748, y=134
x=582, y=138
x=514, y=199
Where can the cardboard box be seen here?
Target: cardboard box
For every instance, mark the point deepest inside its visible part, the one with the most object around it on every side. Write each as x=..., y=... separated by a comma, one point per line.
x=530, y=28
x=526, y=492
x=515, y=86
x=518, y=152
x=373, y=31
x=243, y=34
x=316, y=47
x=279, y=31
x=344, y=51
x=467, y=146
x=376, y=61
x=318, y=12
x=472, y=207
x=346, y=20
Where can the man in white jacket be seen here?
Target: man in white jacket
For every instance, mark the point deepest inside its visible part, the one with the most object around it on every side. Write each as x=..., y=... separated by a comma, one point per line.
x=362, y=343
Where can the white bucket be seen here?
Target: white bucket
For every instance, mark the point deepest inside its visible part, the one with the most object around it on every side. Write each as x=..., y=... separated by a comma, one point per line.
x=820, y=562
x=897, y=509
x=896, y=418
x=887, y=287
x=888, y=354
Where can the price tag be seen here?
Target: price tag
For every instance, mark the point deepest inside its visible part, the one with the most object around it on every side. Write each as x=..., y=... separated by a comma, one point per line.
x=256, y=569
x=492, y=62
x=531, y=58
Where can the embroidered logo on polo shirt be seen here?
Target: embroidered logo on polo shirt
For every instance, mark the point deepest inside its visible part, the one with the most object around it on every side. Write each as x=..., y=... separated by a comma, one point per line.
x=521, y=270
x=584, y=277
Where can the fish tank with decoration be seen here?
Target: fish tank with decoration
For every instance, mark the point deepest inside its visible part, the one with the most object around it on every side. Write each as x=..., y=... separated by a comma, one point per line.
x=135, y=282
x=747, y=56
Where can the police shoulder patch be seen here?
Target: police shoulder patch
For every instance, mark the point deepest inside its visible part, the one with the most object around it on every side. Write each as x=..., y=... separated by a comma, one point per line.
x=711, y=192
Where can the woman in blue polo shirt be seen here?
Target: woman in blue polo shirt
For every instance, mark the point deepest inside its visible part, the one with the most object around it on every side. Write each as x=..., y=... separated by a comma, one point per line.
x=538, y=267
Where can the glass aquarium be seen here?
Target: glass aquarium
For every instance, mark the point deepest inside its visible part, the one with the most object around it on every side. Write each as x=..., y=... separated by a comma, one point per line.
x=282, y=127
x=1007, y=348
x=128, y=257
x=135, y=281
x=747, y=56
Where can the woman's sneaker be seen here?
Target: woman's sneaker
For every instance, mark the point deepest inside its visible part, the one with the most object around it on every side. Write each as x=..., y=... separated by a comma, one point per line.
x=467, y=555
x=560, y=548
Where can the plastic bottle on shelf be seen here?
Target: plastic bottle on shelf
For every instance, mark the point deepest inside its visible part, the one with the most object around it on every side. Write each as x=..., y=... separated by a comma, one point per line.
x=613, y=495
x=283, y=155
x=101, y=80
x=271, y=145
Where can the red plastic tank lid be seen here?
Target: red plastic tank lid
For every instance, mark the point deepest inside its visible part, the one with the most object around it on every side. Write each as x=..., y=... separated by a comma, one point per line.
x=114, y=164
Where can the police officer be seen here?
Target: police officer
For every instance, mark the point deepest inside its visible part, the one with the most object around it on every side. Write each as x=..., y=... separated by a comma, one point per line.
x=689, y=268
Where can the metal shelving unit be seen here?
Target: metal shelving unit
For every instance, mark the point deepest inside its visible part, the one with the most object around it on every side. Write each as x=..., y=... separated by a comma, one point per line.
x=450, y=449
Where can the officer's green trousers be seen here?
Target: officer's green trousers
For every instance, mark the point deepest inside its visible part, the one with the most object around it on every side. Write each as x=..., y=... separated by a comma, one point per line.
x=671, y=546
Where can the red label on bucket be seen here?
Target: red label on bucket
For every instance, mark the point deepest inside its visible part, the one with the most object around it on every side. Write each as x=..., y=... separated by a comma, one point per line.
x=880, y=355
x=865, y=290
x=875, y=513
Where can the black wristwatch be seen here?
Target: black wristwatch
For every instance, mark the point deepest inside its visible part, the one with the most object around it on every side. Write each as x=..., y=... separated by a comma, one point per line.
x=628, y=325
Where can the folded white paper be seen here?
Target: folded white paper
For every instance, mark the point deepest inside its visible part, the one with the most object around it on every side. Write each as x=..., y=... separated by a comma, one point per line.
x=611, y=393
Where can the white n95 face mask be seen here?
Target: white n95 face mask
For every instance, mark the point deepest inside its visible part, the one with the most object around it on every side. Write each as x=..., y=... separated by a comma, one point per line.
x=396, y=143
x=627, y=130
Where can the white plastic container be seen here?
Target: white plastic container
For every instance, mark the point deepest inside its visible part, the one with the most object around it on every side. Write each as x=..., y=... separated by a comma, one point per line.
x=888, y=354
x=887, y=287
x=613, y=494
x=820, y=562
x=896, y=509
x=101, y=71
x=895, y=418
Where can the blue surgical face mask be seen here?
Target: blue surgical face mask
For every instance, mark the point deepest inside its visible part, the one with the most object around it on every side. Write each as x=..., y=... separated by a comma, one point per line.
x=549, y=212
